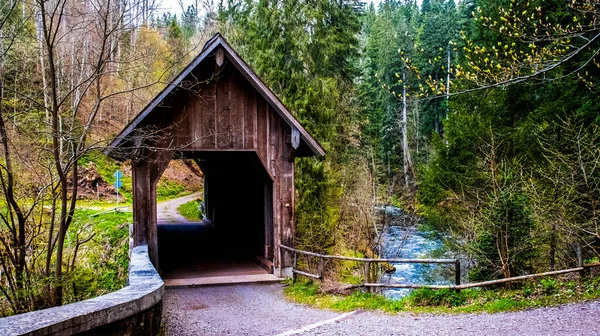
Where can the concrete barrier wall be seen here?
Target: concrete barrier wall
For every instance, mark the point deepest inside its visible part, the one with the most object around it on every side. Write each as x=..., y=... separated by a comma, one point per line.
x=133, y=310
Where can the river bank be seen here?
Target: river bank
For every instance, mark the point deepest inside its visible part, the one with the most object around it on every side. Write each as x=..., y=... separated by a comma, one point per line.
x=407, y=241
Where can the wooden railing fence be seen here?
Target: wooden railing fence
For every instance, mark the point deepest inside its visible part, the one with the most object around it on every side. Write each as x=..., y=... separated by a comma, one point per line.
x=368, y=281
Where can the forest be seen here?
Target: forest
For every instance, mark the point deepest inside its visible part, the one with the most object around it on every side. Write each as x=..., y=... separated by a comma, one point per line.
x=478, y=117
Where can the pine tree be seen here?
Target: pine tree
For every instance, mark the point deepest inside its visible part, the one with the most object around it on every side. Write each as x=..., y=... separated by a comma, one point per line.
x=440, y=25
x=305, y=52
x=392, y=31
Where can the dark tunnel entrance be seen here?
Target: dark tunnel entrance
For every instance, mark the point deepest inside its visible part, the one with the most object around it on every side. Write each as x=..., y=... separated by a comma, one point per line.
x=236, y=235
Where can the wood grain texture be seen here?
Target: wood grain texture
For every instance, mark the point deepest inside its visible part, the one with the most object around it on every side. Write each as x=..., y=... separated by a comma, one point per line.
x=237, y=113
x=187, y=80
x=225, y=114
x=223, y=110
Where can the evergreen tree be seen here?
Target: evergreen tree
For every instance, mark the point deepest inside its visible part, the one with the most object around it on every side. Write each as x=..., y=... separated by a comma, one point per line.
x=390, y=30
x=439, y=25
x=306, y=52
x=499, y=179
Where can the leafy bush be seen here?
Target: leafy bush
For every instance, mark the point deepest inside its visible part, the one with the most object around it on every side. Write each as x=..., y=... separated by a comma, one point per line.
x=548, y=286
x=507, y=231
x=443, y=297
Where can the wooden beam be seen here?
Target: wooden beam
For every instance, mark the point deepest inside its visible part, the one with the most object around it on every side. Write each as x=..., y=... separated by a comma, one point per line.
x=141, y=192
x=306, y=274
x=146, y=173
x=388, y=260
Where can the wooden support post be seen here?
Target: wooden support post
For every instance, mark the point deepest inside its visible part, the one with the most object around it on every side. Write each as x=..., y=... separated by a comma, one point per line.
x=279, y=261
x=368, y=274
x=295, y=267
x=580, y=260
x=457, y=275
x=145, y=176
x=321, y=268
x=141, y=203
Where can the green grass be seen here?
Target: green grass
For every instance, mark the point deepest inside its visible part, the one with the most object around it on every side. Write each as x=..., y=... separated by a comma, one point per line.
x=102, y=263
x=101, y=241
x=166, y=190
x=190, y=210
x=546, y=292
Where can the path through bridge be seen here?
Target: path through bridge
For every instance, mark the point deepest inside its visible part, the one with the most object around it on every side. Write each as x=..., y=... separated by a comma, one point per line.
x=192, y=253
x=167, y=212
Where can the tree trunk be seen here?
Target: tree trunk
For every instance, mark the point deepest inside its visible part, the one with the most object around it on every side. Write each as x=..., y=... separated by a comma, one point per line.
x=448, y=87
x=405, y=148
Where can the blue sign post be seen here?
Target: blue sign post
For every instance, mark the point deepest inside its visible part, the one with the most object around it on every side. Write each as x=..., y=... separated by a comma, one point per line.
x=118, y=183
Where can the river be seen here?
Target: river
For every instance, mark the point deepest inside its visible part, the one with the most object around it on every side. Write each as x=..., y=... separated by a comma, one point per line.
x=398, y=241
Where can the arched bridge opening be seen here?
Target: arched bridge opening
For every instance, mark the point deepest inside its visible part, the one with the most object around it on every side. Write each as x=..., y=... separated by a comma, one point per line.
x=235, y=235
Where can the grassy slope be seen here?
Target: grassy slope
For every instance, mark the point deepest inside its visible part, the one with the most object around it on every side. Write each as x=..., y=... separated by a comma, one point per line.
x=190, y=210
x=106, y=168
x=102, y=263
x=546, y=292
x=167, y=188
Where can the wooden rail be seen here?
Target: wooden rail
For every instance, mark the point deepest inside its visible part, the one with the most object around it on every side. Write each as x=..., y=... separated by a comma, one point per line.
x=582, y=268
x=522, y=277
x=477, y=284
x=388, y=260
x=367, y=270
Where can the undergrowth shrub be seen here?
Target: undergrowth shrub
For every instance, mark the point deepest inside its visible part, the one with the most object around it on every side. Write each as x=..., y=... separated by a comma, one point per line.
x=548, y=286
x=442, y=297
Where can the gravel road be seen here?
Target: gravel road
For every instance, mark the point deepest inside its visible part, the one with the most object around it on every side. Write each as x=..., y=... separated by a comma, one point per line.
x=262, y=310
x=167, y=211
x=256, y=309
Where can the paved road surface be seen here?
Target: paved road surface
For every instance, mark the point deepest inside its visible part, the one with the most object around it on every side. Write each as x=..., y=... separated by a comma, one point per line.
x=167, y=211
x=262, y=310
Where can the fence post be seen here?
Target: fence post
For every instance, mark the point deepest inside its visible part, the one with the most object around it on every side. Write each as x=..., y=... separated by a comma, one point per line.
x=295, y=267
x=130, y=239
x=279, y=256
x=457, y=274
x=579, y=259
x=321, y=268
x=368, y=274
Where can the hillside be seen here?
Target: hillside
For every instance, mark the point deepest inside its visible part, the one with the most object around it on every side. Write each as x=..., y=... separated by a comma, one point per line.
x=96, y=180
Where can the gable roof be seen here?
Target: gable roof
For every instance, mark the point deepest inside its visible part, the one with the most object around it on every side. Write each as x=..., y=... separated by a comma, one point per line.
x=211, y=46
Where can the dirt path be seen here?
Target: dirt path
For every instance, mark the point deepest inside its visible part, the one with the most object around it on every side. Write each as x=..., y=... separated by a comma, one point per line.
x=262, y=310
x=167, y=211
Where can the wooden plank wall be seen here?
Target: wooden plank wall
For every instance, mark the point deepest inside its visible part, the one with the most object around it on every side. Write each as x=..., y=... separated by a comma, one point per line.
x=228, y=114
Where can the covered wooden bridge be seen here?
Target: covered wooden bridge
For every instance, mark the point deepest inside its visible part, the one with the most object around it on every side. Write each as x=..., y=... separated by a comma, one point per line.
x=219, y=113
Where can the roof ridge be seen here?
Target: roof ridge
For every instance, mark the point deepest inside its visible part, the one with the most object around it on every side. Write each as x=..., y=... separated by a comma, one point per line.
x=211, y=40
